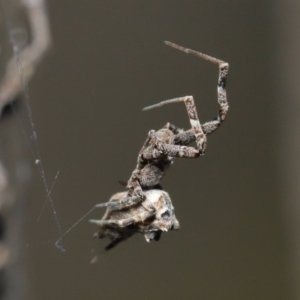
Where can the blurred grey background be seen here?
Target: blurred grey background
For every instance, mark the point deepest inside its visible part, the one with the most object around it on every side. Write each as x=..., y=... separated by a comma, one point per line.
x=238, y=205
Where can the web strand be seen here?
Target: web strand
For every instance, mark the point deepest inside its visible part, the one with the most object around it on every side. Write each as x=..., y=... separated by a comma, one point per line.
x=32, y=138
x=48, y=195
x=77, y=222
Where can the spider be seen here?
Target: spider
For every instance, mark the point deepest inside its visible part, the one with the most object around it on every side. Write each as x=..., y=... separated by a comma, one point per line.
x=144, y=207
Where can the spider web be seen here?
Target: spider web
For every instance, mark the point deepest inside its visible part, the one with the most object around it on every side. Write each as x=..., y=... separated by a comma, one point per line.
x=18, y=38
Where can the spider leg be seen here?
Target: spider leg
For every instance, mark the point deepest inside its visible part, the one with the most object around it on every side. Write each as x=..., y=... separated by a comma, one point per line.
x=171, y=150
x=138, y=195
x=135, y=193
x=181, y=137
x=184, y=138
x=200, y=137
x=119, y=201
x=163, y=149
x=173, y=128
x=213, y=125
x=134, y=196
x=125, y=222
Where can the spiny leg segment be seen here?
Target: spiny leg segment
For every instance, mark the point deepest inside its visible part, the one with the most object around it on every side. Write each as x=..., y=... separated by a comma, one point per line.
x=210, y=126
x=124, y=222
x=193, y=116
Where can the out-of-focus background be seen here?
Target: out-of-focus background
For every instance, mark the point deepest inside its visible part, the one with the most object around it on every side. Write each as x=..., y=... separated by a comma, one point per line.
x=238, y=205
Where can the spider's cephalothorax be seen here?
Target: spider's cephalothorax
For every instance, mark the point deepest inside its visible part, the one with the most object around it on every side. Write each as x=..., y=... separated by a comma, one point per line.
x=141, y=208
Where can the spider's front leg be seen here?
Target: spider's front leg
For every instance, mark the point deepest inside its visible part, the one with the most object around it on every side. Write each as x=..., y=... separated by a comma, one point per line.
x=213, y=125
x=197, y=131
x=162, y=149
x=200, y=137
x=184, y=138
x=181, y=137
